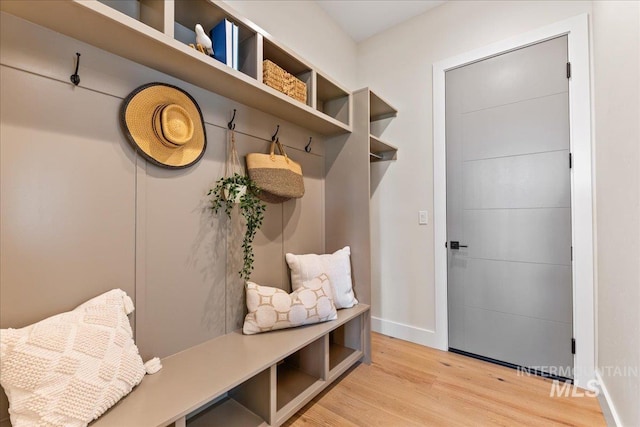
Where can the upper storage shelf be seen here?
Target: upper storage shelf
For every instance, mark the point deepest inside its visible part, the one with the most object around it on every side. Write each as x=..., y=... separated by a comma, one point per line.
x=380, y=114
x=381, y=150
x=380, y=109
x=156, y=33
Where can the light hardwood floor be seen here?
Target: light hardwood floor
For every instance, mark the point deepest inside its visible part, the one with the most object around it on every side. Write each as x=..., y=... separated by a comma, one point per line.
x=412, y=385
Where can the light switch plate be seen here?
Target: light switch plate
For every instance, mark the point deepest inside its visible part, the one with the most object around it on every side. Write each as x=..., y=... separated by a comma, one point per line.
x=423, y=217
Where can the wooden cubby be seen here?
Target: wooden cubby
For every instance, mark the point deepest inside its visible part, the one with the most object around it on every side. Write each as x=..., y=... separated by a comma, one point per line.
x=246, y=405
x=291, y=64
x=380, y=114
x=156, y=33
x=148, y=12
x=192, y=12
x=345, y=346
x=380, y=150
x=332, y=100
x=379, y=108
x=226, y=413
x=299, y=377
x=298, y=372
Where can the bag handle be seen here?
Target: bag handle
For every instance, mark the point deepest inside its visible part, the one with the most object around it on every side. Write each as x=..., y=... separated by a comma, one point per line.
x=280, y=148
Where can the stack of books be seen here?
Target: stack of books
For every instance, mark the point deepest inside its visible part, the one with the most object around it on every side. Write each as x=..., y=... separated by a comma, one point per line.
x=225, y=43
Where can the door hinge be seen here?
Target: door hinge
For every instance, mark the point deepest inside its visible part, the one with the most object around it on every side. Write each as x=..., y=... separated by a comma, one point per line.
x=573, y=346
x=570, y=161
x=568, y=70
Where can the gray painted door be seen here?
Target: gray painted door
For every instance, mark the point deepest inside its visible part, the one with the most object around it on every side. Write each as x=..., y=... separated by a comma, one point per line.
x=509, y=202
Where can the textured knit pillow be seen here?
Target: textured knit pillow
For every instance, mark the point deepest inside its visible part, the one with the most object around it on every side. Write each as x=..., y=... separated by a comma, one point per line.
x=70, y=368
x=272, y=308
x=336, y=265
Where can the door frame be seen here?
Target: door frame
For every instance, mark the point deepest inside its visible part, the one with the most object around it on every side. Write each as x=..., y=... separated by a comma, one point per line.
x=577, y=30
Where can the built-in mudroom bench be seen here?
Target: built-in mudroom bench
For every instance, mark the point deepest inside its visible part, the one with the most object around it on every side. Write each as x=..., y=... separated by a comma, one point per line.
x=185, y=285
x=245, y=380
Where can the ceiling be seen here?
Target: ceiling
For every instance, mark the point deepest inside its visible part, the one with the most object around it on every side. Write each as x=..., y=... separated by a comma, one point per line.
x=362, y=19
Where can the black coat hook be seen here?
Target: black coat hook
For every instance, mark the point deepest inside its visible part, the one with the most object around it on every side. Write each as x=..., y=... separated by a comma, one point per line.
x=75, y=78
x=232, y=125
x=307, y=148
x=275, y=135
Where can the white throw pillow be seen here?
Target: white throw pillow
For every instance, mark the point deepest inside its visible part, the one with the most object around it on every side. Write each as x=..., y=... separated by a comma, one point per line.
x=336, y=265
x=272, y=308
x=70, y=368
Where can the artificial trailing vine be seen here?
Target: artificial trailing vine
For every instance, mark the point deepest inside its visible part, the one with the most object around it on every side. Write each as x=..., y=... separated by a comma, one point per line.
x=251, y=208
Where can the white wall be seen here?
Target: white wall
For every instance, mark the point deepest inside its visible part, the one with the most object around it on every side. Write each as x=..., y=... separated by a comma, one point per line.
x=305, y=27
x=398, y=65
x=616, y=38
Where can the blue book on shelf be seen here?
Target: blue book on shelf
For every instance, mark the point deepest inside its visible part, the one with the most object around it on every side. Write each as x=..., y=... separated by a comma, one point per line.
x=234, y=46
x=222, y=36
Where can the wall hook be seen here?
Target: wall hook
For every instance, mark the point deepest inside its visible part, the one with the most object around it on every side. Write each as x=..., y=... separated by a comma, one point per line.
x=231, y=125
x=75, y=78
x=275, y=135
x=307, y=148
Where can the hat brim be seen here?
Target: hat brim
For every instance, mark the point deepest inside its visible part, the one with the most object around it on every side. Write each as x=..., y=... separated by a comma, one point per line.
x=137, y=121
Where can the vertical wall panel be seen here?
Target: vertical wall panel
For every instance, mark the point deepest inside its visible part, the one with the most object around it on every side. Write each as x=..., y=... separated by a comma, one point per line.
x=67, y=198
x=299, y=239
x=293, y=226
x=267, y=245
x=185, y=256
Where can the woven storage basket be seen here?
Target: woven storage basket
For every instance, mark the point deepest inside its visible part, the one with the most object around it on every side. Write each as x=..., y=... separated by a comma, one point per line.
x=297, y=89
x=282, y=81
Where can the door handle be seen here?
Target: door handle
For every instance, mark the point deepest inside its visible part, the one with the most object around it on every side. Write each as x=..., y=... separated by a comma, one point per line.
x=457, y=245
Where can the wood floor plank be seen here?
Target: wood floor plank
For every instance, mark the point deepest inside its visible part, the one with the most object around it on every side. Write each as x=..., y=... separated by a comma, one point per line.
x=410, y=385
x=316, y=415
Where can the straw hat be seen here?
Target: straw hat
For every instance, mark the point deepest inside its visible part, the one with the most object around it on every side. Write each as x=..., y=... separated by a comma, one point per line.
x=165, y=124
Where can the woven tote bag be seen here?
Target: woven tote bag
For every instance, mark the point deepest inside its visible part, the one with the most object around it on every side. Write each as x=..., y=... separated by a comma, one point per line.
x=278, y=177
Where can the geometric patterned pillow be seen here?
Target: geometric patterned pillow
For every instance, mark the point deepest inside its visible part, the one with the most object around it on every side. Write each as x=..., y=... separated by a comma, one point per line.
x=272, y=308
x=70, y=368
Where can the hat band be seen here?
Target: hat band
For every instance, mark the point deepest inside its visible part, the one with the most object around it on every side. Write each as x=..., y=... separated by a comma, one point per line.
x=158, y=129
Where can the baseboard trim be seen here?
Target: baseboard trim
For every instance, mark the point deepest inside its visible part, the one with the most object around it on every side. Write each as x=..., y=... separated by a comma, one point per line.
x=607, y=400
x=405, y=332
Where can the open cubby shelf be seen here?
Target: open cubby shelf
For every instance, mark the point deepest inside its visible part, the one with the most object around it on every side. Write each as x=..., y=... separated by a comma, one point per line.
x=380, y=150
x=380, y=115
x=338, y=354
x=156, y=33
x=292, y=382
x=332, y=100
x=254, y=380
x=226, y=413
x=345, y=347
x=379, y=108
